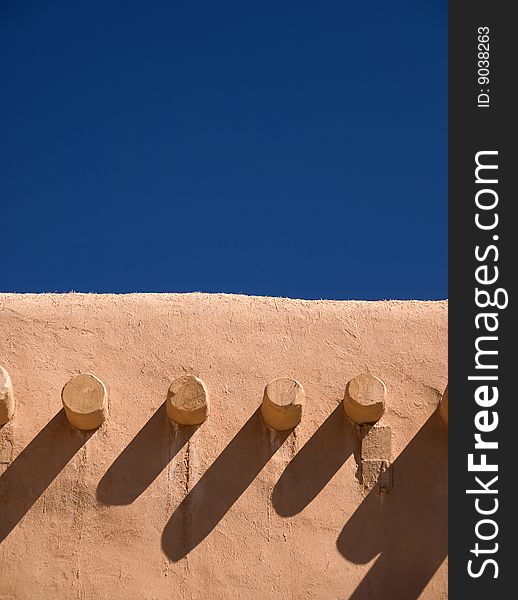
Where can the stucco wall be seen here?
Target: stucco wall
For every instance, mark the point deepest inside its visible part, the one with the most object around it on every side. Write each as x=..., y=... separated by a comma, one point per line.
x=141, y=510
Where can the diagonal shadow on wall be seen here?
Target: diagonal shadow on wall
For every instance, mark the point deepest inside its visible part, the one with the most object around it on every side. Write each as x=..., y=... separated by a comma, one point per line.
x=220, y=486
x=315, y=464
x=409, y=526
x=35, y=468
x=143, y=459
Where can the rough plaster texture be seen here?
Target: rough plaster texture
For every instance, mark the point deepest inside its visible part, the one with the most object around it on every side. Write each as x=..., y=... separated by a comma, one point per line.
x=144, y=509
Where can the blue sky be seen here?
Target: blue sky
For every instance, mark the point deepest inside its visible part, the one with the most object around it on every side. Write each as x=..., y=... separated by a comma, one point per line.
x=274, y=148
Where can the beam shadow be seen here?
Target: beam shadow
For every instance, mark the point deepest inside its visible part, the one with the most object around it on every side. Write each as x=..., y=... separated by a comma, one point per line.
x=220, y=486
x=35, y=468
x=143, y=459
x=315, y=464
x=409, y=526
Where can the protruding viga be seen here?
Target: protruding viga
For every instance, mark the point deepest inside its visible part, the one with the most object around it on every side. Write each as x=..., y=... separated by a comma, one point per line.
x=85, y=402
x=364, y=400
x=187, y=401
x=444, y=406
x=6, y=397
x=282, y=404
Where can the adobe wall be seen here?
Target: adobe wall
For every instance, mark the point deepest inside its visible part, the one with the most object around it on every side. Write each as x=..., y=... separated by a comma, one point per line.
x=143, y=510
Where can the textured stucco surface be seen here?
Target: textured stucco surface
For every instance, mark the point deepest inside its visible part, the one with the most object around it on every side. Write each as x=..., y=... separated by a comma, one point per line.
x=139, y=510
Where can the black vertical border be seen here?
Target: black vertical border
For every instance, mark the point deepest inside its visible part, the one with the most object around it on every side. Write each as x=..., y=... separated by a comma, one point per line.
x=470, y=130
